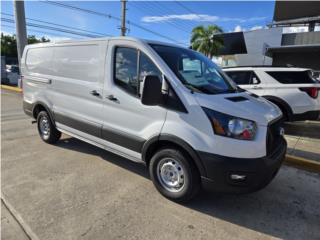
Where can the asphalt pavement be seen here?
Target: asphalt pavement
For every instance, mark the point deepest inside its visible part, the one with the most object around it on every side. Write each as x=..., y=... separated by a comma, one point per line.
x=73, y=190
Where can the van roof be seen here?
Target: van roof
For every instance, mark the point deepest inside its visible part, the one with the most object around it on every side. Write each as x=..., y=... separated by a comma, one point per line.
x=103, y=39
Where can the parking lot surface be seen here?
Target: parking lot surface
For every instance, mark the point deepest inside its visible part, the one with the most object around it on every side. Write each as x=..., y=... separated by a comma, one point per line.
x=304, y=139
x=73, y=190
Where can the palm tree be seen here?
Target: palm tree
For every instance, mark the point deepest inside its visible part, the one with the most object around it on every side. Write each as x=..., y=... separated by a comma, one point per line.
x=206, y=40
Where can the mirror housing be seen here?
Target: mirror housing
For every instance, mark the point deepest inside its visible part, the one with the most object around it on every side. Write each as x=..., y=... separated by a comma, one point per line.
x=151, y=92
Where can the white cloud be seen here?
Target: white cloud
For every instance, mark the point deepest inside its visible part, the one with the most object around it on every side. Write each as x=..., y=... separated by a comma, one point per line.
x=256, y=28
x=56, y=38
x=242, y=20
x=197, y=17
x=238, y=28
x=186, y=17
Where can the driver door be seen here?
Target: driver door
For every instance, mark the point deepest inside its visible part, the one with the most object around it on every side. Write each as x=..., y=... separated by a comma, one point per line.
x=127, y=122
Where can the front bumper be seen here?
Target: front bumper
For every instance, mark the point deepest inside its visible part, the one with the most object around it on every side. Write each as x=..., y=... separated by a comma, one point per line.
x=259, y=171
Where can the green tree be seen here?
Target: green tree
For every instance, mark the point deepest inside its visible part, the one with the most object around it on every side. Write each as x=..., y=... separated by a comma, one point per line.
x=206, y=40
x=9, y=44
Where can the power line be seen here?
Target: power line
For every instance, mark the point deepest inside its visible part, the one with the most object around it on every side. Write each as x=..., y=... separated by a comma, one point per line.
x=160, y=8
x=60, y=25
x=53, y=28
x=33, y=30
x=109, y=16
x=148, y=10
x=184, y=7
x=167, y=9
x=81, y=9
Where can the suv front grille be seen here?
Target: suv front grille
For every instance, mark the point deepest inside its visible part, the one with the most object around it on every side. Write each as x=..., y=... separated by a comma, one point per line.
x=273, y=136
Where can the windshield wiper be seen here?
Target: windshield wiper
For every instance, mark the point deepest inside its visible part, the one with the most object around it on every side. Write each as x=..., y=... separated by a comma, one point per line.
x=192, y=88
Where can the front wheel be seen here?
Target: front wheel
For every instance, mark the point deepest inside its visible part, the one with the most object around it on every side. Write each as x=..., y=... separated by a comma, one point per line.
x=46, y=129
x=174, y=175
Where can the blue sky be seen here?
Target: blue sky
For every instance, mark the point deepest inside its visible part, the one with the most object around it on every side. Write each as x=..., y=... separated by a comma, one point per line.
x=168, y=18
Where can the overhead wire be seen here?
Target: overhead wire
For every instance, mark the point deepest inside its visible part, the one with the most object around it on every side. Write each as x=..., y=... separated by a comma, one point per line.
x=52, y=28
x=166, y=11
x=167, y=22
x=109, y=16
x=60, y=25
x=49, y=34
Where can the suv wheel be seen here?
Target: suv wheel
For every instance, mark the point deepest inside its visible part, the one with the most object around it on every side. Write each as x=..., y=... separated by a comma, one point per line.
x=174, y=175
x=46, y=129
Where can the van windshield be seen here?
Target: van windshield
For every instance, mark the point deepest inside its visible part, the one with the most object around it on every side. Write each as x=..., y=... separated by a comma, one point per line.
x=195, y=71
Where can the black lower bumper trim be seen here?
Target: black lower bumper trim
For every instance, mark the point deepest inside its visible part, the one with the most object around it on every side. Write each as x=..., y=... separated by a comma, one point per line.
x=310, y=115
x=258, y=172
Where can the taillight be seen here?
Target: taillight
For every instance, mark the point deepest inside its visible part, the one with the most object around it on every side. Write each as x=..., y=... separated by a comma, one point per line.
x=311, y=91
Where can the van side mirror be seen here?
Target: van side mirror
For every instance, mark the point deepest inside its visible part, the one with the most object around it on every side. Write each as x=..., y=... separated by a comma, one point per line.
x=151, y=92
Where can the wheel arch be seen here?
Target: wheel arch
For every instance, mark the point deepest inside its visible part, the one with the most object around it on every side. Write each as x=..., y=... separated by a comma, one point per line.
x=283, y=105
x=41, y=106
x=162, y=140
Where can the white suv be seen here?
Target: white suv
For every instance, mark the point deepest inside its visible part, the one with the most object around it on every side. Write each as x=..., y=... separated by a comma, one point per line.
x=293, y=90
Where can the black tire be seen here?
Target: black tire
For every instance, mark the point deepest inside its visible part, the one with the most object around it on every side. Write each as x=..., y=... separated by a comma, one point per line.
x=52, y=135
x=285, y=114
x=191, y=176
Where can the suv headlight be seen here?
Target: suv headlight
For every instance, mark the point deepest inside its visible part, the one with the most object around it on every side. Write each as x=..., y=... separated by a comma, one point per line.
x=230, y=126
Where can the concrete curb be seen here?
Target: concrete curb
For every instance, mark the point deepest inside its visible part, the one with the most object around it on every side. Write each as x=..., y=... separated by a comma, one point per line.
x=305, y=164
x=25, y=227
x=16, y=89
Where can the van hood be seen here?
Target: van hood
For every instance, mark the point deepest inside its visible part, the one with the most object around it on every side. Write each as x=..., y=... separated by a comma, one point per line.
x=244, y=105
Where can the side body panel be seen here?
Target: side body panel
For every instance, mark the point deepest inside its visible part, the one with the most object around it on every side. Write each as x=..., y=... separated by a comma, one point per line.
x=73, y=103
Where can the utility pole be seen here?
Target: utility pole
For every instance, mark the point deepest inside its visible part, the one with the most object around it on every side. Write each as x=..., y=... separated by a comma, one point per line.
x=21, y=31
x=123, y=18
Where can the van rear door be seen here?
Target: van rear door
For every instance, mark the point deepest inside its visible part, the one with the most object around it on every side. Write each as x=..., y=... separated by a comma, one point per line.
x=127, y=122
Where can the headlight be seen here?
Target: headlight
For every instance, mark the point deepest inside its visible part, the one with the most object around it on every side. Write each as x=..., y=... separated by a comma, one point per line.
x=230, y=126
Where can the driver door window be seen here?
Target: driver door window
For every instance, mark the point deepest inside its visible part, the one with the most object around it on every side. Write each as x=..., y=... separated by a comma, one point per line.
x=127, y=72
x=126, y=69
x=147, y=67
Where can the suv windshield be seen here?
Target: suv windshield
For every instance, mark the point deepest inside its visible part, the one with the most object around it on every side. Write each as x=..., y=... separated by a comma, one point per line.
x=195, y=71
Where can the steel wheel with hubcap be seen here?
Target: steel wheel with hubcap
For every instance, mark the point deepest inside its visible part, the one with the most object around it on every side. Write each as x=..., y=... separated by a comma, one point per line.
x=170, y=174
x=46, y=129
x=174, y=174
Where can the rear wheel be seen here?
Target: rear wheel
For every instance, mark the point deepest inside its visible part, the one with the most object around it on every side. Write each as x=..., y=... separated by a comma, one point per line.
x=174, y=175
x=46, y=129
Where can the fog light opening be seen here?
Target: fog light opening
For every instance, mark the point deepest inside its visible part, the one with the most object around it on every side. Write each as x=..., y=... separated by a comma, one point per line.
x=238, y=177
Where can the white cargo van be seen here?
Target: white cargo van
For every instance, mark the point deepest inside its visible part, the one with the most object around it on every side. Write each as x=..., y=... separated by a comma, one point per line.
x=166, y=106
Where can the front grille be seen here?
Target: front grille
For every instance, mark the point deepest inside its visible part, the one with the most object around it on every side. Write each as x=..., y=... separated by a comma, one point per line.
x=273, y=136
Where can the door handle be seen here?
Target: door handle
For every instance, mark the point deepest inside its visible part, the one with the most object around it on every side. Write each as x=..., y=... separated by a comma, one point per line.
x=95, y=93
x=112, y=98
x=257, y=87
